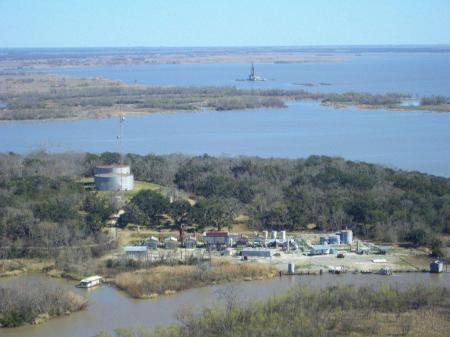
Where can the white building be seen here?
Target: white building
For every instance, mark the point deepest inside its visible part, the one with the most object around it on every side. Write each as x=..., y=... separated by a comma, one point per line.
x=171, y=242
x=217, y=239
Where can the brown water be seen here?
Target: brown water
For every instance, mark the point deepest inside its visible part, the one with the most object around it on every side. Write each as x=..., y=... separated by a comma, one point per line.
x=110, y=309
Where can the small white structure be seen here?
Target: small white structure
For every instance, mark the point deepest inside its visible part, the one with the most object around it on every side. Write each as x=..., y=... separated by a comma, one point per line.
x=152, y=242
x=190, y=242
x=228, y=252
x=274, y=235
x=283, y=236
x=171, y=242
x=255, y=252
x=91, y=281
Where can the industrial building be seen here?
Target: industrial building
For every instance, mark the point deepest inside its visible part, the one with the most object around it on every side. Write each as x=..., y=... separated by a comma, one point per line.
x=171, y=242
x=113, y=178
x=135, y=251
x=255, y=252
x=152, y=242
x=217, y=239
x=319, y=249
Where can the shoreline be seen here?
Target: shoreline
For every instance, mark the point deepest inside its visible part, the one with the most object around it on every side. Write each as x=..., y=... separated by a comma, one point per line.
x=336, y=106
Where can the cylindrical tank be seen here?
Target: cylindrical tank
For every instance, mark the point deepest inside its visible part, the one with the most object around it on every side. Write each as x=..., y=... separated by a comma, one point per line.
x=114, y=182
x=283, y=235
x=347, y=236
x=274, y=234
x=323, y=239
x=334, y=239
x=266, y=234
x=291, y=268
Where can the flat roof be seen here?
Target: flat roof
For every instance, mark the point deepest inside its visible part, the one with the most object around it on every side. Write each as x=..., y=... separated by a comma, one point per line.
x=216, y=234
x=320, y=247
x=132, y=249
x=91, y=278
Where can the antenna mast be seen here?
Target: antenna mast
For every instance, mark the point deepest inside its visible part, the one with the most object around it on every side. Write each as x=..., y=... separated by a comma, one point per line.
x=119, y=138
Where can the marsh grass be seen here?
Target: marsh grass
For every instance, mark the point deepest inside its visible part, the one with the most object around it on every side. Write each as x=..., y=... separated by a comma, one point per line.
x=335, y=311
x=24, y=301
x=159, y=280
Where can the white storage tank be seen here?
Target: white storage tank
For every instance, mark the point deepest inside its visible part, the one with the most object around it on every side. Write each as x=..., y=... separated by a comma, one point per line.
x=283, y=235
x=113, y=178
x=274, y=235
x=347, y=236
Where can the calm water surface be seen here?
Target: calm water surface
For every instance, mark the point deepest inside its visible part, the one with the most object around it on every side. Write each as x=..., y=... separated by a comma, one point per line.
x=110, y=308
x=408, y=140
x=418, y=74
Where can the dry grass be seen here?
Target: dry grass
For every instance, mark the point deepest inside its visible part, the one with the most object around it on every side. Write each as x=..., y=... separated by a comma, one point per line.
x=160, y=280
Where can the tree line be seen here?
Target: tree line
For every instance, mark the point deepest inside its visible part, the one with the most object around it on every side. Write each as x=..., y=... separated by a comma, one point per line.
x=376, y=202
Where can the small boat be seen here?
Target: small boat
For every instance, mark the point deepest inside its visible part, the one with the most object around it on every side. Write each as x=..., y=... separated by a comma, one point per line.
x=91, y=281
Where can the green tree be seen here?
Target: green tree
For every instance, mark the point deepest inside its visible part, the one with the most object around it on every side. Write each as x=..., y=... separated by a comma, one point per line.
x=147, y=207
x=213, y=211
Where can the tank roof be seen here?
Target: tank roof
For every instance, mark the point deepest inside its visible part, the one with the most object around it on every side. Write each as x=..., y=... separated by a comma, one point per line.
x=110, y=175
x=112, y=166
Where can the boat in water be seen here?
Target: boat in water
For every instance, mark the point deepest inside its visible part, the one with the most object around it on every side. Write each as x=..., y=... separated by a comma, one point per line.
x=91, y=281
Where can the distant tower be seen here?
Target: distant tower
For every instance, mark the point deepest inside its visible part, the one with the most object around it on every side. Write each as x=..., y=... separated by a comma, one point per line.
x=252, y=76
x=120, y=137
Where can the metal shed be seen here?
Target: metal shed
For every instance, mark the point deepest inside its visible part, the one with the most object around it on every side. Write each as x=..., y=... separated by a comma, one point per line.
x=254, y=252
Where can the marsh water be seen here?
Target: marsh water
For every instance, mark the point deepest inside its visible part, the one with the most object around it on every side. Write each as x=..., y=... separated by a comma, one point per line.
x=110, y=308
x=408, y=140
x=418, y=74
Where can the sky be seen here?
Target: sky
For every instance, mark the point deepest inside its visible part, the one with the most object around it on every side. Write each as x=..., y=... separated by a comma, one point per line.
x=179, y=23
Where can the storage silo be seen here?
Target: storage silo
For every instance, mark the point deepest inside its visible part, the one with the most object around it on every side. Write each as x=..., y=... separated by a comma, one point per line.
x=283, y=236
x=274, y=235
x=113, y=178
